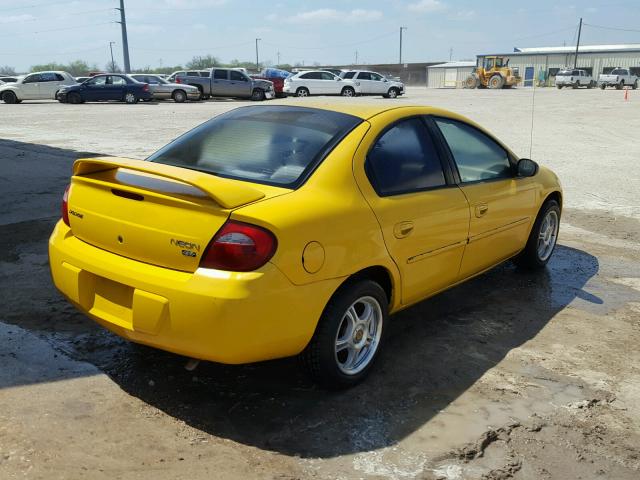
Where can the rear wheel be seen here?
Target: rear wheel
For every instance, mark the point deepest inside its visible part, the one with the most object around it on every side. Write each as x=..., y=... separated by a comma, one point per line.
x=9, y=97
x=392, y=93
x=559, y=87
x=543, y=237
x=496, y=82
x=257, y=95
x=576, y=85
x=590, y=86
x=603, y=86
x=620, y=86
x=635, y=85
x=302, y=92
x=74, y=98
x=130, y=98
x=179, y=96
x=348, y=336
x=348, y=92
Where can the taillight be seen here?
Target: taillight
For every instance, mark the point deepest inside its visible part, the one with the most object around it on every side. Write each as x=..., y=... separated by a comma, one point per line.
x=65, y=206
x=239, y=247
x=145, y=87
x=177, y=80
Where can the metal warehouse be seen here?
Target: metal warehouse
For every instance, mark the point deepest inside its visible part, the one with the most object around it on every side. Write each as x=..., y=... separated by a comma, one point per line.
x=541, y=64
x=449, y=75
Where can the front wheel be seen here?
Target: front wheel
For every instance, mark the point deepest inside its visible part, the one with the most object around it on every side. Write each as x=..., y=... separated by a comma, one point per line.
x=130, y=98
x=392, y=93
x=302, y=92
x=620, y=86
x=576, y=85
x=603, y=86
x=559, y=87
x=74, y=98
x=348, y=92
x=257, y=95
x=179, y=96
x=348, y=336
x=635, y=85
x=543, y=237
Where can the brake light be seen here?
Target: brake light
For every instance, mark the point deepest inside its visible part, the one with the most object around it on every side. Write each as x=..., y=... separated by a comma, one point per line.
x=145, y=87
x=178, y=80
x=65, y=206
x=239, y=247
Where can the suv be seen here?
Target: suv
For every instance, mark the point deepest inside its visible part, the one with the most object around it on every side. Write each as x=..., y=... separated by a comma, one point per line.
x=35, y=86
x=319, y=82
x=372, y=83
x=228, y=82
x=574, y=79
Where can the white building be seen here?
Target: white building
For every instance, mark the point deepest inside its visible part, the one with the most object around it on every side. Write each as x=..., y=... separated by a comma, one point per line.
x=449, y=75
x=543, y=63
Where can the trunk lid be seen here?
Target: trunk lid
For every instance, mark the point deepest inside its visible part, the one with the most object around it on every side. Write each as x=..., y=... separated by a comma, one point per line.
x=158, y=214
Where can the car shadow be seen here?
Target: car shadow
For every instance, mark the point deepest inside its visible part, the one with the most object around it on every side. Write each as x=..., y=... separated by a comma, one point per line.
x=434, y=351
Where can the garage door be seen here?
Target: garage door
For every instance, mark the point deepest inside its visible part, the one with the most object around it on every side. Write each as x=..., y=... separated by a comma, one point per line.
x=450, y=77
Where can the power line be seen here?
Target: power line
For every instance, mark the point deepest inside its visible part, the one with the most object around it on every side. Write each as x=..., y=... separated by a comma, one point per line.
x=57, y=29
x=612, y=28
x=394, y=32
x=36, y=5
x=36, y=19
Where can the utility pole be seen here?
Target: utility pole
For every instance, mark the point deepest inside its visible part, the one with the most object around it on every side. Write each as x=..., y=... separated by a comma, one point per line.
x=401, y=29
x=125, y=43
x=575, y=61
x=257, y=59
x=356, y=58
x=450, y=53
x=278, y=58
x=113, y=64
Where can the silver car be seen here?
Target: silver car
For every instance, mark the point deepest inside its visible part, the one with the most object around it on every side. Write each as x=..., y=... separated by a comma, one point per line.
x=161, y=89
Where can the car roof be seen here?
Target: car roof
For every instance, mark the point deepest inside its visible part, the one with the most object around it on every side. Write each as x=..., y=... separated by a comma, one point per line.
x=366, y=111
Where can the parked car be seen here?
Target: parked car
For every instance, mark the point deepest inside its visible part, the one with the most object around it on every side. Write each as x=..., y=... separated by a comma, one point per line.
x=619, y=78
x=276, y=76
x=262, y=242
x=319, y=82
x=574, y=79
x=8, y=79
x=161, y=89
x=109, y=87
x=35, y=86
x=372, y=83
x=229, y=82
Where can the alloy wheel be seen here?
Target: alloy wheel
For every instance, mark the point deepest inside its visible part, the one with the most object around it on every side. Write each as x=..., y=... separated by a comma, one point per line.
x=548, y=235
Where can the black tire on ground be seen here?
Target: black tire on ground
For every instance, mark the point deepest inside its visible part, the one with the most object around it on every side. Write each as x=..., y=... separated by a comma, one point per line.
x=319, y=358
x=302, y=92
x=529, y=257
x=9, y=97
x=131, y=98
x=590, y=86
x=576, y=85
x=348, y=92
x=603, y=86
x=620, y=85
x=257, y=95
x=179, y=96
x=559, y=87
x=496, y=82
x=471, y=82
x=635, y=85
x=392, y=93
x=74, y=98
x=202, y=95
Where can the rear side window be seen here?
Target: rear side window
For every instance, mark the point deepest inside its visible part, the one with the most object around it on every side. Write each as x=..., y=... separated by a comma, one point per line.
x=276, y=145
x=220, y=74
x=312, y=76
x=349, y=75
x=404, y=160
x=193, y=74
x=364, y=76
x=477, y=156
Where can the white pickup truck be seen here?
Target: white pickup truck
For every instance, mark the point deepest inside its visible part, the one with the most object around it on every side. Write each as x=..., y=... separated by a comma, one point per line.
x=619, y=78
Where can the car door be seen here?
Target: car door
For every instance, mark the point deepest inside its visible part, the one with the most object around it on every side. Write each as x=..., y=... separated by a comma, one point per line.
x=115, y=87
x=30, y=88
x=94, y=89
x=379, y=84
x=221, y=83
x=239, y=84
x=49, y=85
x=329, y=84
x=423, y=215
x=365, y=83
x=502, y=205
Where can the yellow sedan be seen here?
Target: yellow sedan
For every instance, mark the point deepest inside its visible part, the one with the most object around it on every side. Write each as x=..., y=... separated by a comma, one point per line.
x=273, y=231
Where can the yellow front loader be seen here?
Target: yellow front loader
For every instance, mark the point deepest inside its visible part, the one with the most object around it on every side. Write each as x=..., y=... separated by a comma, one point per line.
x=495, y=73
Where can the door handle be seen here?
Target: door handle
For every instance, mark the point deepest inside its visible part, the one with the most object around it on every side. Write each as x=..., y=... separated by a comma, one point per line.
x=402, y=229
x=481, y=209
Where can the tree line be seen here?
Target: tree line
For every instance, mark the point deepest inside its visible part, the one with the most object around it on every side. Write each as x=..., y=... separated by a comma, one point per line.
x=79, y=68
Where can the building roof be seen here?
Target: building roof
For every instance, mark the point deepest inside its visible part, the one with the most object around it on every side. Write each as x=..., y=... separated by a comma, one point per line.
x=454, y=64
x=569, y=49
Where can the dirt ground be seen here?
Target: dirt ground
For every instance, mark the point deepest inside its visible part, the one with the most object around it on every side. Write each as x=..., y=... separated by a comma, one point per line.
x=511, y=375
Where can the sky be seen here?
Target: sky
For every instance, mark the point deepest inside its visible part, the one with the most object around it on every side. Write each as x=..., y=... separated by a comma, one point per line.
x=171, y=32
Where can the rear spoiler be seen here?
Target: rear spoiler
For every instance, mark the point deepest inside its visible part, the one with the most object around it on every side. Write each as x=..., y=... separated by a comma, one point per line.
x=226, y=193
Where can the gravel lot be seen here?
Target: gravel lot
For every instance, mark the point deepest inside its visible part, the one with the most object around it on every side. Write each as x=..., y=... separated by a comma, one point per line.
x=511, y=375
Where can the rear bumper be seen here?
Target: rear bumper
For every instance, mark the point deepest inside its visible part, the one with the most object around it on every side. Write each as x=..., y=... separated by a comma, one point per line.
x=227, y=317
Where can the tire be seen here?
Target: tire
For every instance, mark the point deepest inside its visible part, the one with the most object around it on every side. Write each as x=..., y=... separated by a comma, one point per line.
x=559, y=87
x=635, y=85
x=130, y=98
x=257, y=95
x=179, y=96
x=590, y=86
x=471, y=82
x=496, y=82
x=74, y=98
x=534, y=255
x=202, y=95
x=348, y=92
x=336, y=367
x=576, y=85
x=392, y=93
x=603, y=86
x=302, y=92
x=620, y=85
x=9, y=97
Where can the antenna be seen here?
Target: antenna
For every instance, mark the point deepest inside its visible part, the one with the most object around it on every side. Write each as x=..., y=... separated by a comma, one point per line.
x=533, y=109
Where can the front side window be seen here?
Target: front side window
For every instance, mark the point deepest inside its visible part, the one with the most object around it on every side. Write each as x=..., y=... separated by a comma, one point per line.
x=238, y=76
x=376, y=77
x=98, y=81
x=327, y=76
x=32, y=78
x=477, y=156
x=404, y=160
x=276, y=145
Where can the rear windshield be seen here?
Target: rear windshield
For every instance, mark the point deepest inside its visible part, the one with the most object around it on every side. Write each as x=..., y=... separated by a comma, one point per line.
x=276, y=145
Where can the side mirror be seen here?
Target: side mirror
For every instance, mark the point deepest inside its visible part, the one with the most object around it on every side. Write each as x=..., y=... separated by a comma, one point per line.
x=338, y=79
x=526, y=168
x=385, y=80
